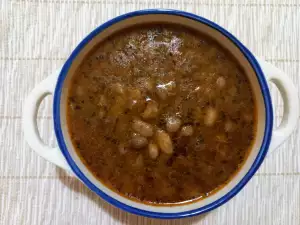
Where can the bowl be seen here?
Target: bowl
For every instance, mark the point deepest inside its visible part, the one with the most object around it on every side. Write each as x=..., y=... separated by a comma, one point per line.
x=258, y=72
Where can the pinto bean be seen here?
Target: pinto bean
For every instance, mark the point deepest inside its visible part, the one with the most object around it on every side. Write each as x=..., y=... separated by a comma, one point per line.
x=134, y=98
x=101, y=113
x=118, y=88
x=221, y=82
x=145, y=83
x=153, y=150
x=164, y=142
x=173, y=124
x=210, y=117
x=229, y=126
x=102, y=101
x=118, y=107
x=138, y=141
x=148, y=84
x=142, y=128
x=151, y=110
x=134, y=93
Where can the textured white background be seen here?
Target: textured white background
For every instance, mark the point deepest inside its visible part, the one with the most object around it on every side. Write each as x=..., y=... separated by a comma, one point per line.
x=35, y=39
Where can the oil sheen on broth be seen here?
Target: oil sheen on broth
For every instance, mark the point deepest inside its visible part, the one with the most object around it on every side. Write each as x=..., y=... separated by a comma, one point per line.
x=161, y=114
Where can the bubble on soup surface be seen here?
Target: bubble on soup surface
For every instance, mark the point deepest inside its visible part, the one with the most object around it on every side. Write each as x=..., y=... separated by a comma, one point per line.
x=134, y=97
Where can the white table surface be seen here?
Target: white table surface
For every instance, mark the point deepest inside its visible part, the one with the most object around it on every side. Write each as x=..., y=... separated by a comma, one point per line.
x=36, y=37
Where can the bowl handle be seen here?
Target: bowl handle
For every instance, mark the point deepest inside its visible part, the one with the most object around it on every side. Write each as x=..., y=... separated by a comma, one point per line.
x=290, y=98
x=29, y=122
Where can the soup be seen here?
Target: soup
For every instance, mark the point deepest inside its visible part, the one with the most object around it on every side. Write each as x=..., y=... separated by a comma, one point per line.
x=161, y=114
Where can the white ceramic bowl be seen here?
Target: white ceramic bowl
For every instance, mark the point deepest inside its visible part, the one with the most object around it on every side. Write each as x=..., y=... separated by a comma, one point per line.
x=258, y=72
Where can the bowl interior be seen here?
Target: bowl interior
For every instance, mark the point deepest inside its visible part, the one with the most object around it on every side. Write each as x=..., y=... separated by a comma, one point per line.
x=205, y=29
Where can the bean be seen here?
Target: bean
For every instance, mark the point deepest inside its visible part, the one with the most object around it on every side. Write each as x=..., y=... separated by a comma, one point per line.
x=79, y=91
x=221, y=82
x=221, y=138
x=162, y=93
x=148, y=84
x=151, y=110
x=139, y=162
x=144, y=83
x=122, y=149
x=118, y=107
x=187, y=131
x=229, y=126
x=138, y=141
x=209, y=92
x=134, y=93
x=102, y=101
x=142, y=128
x=232, y=91
x=134, y=97
x=173, y=124
x=153, y=150
x=118, y=88
x=210, y=117
x=101, y=113
x=164, y=142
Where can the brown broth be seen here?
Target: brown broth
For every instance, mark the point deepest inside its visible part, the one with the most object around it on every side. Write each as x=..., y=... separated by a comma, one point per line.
x=161, y=114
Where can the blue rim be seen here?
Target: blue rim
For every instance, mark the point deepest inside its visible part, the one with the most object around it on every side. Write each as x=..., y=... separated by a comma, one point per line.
x=263, y=85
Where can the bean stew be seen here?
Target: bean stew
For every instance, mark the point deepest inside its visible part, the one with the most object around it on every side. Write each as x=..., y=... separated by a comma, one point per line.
x=161, y=114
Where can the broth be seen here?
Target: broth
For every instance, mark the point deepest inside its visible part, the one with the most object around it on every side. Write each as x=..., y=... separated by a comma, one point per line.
x=161, y=114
